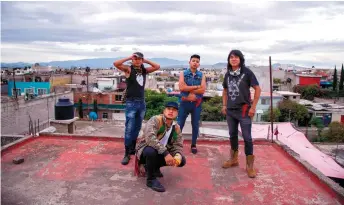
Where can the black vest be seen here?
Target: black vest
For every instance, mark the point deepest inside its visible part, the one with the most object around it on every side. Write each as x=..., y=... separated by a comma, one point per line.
x=134, y=89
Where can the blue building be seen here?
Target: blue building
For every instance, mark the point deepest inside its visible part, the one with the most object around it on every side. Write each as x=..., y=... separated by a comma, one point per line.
x=36, y=88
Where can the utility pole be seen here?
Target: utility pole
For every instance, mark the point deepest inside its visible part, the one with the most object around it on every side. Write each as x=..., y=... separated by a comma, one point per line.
x=271, y=103
x=88, y=94
x=14, y=84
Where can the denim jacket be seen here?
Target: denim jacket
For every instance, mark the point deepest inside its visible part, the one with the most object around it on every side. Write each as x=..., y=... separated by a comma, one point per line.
x=191, y=80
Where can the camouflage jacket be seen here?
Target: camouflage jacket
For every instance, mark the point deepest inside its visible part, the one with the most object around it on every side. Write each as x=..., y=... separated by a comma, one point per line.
x=154, y=131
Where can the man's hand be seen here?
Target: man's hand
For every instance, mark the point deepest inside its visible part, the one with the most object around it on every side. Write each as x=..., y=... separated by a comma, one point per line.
x=224, y=110
x=169, y=160
x=252, y=112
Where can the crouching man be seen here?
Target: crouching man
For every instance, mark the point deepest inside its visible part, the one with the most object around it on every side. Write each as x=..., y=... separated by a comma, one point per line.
x=160, y=145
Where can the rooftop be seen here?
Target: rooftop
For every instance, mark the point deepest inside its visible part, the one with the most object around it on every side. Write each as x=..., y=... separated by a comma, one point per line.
x=309, y=75
x=266, y=94
x=79, y=170
x=288, y=93
x=322, y=106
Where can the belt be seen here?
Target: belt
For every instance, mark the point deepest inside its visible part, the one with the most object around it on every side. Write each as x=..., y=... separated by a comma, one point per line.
x=244, y=108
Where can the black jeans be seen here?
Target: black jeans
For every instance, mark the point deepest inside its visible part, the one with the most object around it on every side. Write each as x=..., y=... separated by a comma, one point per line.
x=154, y=161
x=234, y=117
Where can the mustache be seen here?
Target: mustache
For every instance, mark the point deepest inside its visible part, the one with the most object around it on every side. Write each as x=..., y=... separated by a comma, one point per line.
x=169, y=118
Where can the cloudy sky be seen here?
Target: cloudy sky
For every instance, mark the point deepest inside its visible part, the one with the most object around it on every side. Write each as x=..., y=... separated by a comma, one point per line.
x=302, y=33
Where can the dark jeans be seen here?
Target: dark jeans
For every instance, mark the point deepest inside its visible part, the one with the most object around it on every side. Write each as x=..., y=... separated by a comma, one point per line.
x=185, y=108
x=234, y=117
x=134, y=113
x=154, y=161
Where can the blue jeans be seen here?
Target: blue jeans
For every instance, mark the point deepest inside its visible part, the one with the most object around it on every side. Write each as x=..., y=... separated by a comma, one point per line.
x=134, y=113
x=185, y=108
x=234, y=117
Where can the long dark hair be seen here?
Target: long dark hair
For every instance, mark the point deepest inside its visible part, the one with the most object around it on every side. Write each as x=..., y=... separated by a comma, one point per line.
x=236, y=53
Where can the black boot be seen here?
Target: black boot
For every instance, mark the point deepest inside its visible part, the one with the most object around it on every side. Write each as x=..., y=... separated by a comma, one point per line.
x=155, y=185
x=158, y=173
x=132, y=149
x=126, y=157
x=194, y=149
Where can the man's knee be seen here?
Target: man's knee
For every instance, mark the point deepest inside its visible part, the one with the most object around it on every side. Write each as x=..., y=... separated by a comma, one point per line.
x=233, y=133
x=150, y=152
x=246, y=134
x=183, y=162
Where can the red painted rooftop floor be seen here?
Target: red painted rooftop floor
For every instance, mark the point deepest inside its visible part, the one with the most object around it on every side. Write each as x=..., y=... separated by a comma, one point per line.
x=88, y=171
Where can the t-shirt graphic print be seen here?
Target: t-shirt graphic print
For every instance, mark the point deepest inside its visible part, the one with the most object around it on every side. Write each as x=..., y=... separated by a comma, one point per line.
x=233, y=87
x=139, y=79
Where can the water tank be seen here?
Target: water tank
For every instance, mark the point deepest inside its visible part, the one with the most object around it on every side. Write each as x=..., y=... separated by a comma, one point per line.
x=64, y=109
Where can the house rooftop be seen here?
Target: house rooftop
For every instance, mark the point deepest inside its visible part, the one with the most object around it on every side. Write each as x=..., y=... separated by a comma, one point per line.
x=288, y=93
x=322, y=106
x=87, y=170
x=309, y=75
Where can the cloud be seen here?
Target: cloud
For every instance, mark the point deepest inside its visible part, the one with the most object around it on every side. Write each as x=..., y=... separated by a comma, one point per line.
x=286, y=30
x=115, y=49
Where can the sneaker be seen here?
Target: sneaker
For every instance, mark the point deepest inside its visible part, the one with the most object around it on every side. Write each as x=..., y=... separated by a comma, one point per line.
x=125, y=160
x=155, y=185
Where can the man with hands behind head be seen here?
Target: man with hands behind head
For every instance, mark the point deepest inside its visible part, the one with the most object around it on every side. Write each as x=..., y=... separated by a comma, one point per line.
x=134, y=97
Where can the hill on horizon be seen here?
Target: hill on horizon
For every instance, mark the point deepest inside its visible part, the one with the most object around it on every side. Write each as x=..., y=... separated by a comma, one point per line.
x=108, y=62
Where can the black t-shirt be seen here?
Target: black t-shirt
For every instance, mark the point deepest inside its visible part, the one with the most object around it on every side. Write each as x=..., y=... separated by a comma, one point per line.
x=136, y=83
x=238, y=88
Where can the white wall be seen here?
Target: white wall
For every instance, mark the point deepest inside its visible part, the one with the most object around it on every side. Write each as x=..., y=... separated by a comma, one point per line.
x=15, y=115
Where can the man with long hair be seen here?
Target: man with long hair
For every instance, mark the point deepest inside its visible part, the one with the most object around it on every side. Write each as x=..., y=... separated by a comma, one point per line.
x=192, y=86
x=135, y=98
x=239, y=108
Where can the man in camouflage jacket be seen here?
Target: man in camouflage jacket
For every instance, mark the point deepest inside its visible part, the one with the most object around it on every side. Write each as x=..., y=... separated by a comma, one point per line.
x=160, y=145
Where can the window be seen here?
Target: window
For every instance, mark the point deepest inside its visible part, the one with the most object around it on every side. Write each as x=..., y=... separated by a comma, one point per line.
x=42, y=91
x=294, y=97
x=118, y=97
x=16, y=90
x=105, y=115
x=117, y=111
x=29, y=90
x=264, y=102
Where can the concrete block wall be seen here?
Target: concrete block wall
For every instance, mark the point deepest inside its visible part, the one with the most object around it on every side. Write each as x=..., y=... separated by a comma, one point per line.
x=15, y=114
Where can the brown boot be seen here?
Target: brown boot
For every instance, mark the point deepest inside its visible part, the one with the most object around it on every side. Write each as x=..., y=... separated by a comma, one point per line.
x=251, y=172
x=233, y=161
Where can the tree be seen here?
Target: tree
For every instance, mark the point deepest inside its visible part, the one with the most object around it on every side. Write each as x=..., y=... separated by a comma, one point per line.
x=335, y=133
x=276, y=114
x=155, y=102
x=211, y=110
x=277, y=81
x=335, y=79
x=308, y=92
x=95, y=106
x=81, y=113
x=292, y=111
x=318, y=123
x=341, y=81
